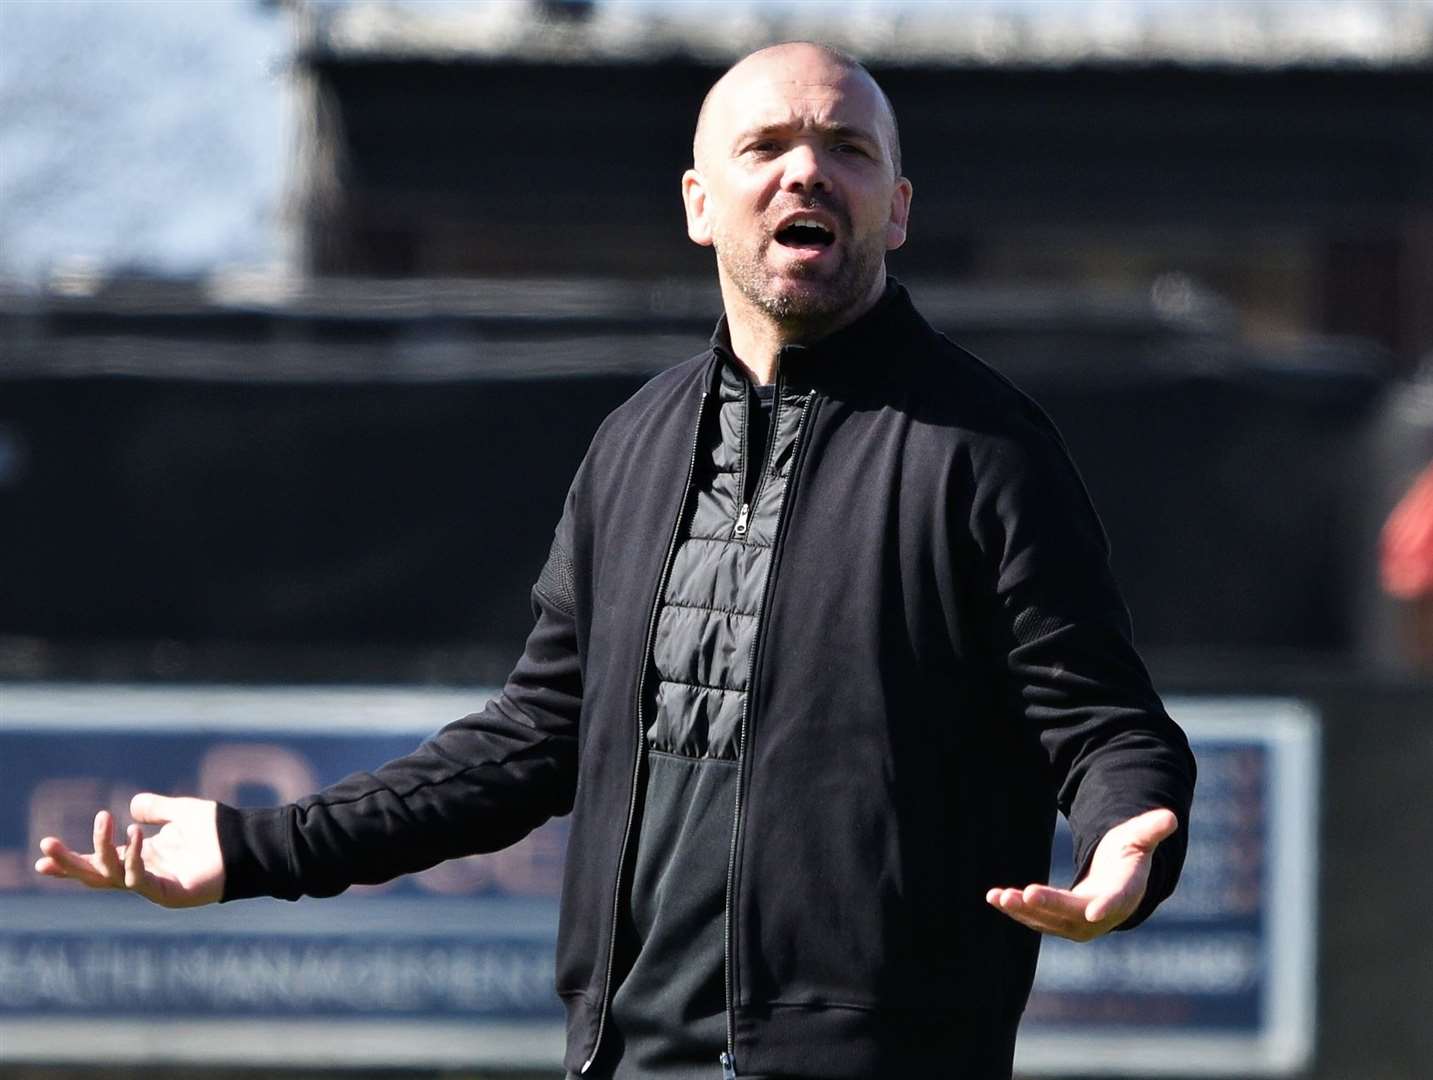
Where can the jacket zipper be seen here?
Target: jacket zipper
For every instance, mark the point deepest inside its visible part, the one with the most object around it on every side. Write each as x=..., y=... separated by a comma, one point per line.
x=743, y=512
x=728, y=1059
x=768, y=456
x=742, y=518
x=642, y=733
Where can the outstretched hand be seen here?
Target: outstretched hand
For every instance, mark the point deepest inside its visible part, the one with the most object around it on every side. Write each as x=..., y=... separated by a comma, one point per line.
x=1106, y=896
x=180, y=866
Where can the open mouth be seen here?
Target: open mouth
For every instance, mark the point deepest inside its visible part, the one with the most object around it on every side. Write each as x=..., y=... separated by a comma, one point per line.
x=805, y=233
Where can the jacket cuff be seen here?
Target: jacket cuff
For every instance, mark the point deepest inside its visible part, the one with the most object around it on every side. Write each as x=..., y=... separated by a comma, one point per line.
x=254, y=851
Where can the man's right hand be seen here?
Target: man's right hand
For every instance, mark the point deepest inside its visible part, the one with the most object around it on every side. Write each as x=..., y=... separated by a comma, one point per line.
x=180, y=866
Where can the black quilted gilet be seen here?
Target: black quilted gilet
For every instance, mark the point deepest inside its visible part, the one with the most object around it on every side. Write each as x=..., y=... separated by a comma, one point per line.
x=707, y=622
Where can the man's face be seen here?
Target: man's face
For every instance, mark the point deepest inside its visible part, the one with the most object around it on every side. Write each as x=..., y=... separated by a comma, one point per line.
x=794, y=185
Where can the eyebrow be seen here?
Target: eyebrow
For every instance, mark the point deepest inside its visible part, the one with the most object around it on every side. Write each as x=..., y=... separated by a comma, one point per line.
x=840, y=131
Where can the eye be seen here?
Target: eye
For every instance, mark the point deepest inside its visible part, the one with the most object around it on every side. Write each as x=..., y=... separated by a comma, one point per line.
x=849, y=148
x=763, y=147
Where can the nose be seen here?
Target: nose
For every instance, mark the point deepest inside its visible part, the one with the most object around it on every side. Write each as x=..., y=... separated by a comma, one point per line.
x=802, y=169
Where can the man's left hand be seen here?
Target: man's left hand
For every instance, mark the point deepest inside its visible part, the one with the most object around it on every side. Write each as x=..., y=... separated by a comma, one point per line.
x=1104, y=897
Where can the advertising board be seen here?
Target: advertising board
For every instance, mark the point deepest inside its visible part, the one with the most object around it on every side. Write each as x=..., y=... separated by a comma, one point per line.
x=1220, y=980
x=454, y=966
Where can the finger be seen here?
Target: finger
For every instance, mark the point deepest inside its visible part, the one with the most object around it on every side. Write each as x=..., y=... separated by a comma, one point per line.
x=52, y=863
x=104, y=848
x=1081, y=931
x=1043, y=925
x=1079, y=912
x=134, y=858
x=61, y=862
x=1013, y=899
x=1059, y=903
x=1048, y=910
x=152, y=809
x=1012, y=902
x=1044, y=922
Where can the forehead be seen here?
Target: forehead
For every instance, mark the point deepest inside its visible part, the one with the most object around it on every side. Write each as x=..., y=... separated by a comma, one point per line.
x=798, y=91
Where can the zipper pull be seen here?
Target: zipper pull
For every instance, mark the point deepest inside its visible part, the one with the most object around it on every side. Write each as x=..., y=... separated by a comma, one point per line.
x=728, y=1067
x=741, y=520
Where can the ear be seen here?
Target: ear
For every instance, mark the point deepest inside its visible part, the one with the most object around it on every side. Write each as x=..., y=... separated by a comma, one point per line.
x=900, y=214
x=694, y=198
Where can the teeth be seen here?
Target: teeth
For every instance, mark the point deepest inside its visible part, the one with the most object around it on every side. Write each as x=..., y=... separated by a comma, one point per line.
x=809, y=224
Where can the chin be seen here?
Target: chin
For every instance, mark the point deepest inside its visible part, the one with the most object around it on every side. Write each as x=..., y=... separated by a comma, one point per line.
x=799, y=294
x=805, y=305
x=804, y=297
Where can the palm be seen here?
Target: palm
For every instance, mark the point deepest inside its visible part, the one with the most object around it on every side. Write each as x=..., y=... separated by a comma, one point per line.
x=180, y=866
x=1109, y=892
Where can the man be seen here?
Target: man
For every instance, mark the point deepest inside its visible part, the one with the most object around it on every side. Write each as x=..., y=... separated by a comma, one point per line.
x=811, y=681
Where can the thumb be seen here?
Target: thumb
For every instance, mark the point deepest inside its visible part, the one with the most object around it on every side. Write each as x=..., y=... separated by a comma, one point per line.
x=1152, y=828
x=148, y=808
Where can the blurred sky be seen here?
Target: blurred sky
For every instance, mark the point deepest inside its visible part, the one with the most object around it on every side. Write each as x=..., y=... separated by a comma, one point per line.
x=140, y=133
x=152, y=135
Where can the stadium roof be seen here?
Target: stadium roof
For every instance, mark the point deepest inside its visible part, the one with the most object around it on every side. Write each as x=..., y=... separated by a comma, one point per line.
x=1239, y=33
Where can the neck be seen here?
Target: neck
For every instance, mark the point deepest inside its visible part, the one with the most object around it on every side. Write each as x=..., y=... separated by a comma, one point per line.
x=757, y=337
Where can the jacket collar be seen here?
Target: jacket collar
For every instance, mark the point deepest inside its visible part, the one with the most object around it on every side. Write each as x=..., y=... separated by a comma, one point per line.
x=857, y=353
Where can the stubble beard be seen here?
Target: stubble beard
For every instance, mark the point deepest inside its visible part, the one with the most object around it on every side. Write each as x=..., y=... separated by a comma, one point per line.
x=805, y=302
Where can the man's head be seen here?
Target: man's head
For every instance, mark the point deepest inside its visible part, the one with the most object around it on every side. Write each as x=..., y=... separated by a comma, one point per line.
x=796, y=182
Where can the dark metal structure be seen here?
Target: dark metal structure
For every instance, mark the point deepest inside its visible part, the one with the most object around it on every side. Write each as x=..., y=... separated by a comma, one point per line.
x=349, y=485
x=1313, y=185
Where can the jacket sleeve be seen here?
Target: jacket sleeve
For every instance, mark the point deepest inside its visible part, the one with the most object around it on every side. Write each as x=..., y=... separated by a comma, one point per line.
x=1064, y=635
x=478, y=785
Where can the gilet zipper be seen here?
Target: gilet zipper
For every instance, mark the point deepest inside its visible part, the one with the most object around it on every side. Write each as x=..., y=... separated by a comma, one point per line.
x=768, y=456
x=743, y=512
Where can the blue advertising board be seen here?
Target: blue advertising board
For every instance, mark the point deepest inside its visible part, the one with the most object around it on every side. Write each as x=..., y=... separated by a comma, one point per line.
x=454, y=966
x=451, y=965
x=1220, y=980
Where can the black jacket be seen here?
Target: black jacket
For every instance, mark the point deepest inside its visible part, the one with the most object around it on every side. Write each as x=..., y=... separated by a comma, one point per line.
x=943, y=660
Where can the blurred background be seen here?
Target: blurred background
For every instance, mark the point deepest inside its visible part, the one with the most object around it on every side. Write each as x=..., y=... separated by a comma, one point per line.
x=308, y=309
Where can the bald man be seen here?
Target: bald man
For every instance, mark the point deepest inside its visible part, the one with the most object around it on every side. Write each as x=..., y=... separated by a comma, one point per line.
x=825, y=637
